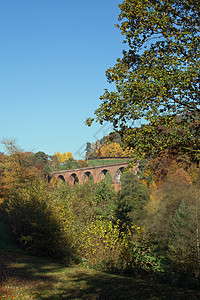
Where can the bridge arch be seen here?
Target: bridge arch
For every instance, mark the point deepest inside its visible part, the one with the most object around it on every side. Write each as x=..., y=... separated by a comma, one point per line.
x=118, y=175
x=87, y=175
x=73, y=179
x=105, y=175
x=61, y=177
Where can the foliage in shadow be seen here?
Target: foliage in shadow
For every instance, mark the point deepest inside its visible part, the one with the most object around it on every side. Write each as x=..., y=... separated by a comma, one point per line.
x=110, y=287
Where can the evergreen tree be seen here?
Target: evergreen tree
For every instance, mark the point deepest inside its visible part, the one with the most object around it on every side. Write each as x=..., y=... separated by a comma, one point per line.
x=134, y=197
x=180, y=224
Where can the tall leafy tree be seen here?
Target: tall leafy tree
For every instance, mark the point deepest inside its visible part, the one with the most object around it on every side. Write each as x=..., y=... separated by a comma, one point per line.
x=111, y=150
x=157, y=79
x=42, y=162
x=18, y=170
x=62, y=157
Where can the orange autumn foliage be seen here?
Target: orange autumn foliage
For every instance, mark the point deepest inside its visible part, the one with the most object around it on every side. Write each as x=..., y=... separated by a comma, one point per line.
x=18, y=172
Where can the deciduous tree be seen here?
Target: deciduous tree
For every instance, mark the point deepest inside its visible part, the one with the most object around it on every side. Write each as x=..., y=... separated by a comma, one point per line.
x=157, y=79
x=111, y=150
x=42, y=162
x=62, y=157
x=18, y=170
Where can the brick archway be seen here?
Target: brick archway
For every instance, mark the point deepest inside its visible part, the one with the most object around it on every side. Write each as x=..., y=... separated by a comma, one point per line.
x=102, y=174
x=73, y=179
x=87, y=175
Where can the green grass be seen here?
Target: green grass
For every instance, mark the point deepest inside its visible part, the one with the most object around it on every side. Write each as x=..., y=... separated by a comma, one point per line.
x=95, y=162
x=100, y=162
x=25, y=277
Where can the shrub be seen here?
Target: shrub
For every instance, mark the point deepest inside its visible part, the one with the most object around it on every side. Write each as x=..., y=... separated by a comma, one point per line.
x=101, y=244
x=38, y=224
x=140, y=255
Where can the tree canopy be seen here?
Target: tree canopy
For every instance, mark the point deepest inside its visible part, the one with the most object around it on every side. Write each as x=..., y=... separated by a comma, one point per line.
x=157, y=79
x=62, y=157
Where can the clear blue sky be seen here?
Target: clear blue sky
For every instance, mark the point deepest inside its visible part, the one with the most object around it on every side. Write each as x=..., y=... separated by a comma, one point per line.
x=53, y=58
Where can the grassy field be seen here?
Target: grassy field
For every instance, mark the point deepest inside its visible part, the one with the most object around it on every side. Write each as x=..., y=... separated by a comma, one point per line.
x=100, y=162
x=25, y=277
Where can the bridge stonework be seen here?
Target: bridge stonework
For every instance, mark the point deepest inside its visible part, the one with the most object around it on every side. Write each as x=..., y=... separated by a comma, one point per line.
x=98, y=173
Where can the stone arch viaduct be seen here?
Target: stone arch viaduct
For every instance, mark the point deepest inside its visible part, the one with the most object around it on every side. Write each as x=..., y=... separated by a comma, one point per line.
x=98, y=173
